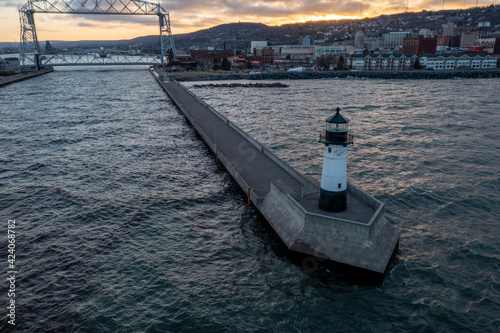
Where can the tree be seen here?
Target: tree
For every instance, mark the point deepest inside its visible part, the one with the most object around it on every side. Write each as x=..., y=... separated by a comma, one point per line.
x=226, y=65
x=216, y=64
x=417, y=65
x=327, y=59
x=170, y=57
x=340, y=63
x=324, y=61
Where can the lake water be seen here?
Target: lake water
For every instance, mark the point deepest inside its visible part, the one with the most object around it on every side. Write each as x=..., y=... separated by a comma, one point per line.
x=125, y=223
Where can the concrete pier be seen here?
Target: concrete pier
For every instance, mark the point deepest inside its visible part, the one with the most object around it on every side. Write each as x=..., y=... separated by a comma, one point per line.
x=360, y=236
x=5, y=80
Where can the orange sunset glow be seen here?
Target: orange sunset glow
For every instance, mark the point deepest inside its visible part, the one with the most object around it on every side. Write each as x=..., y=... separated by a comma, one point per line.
x=197, y=15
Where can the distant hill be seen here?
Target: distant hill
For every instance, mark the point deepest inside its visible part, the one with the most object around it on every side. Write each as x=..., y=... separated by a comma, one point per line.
x=239, y=35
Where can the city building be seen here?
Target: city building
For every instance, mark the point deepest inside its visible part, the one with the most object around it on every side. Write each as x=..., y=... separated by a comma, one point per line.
x=381, y=62
x=447, y=29
x=9, y=63
x=488, y=44
x=443, y=44
x=425, y=33
x=307, y=41
x=257, y=44
x=332, y=49
x=484, y=29
x=393, y=40
x=359, y=39
x=420, y=45
x=373, y=43
x=454, y=41
x=458, y=61
x=433, y=61
x=294, y=52
x=468, y=39
x=267, y=55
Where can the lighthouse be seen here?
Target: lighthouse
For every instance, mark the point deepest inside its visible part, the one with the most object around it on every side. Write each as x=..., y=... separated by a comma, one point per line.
x=336, y=137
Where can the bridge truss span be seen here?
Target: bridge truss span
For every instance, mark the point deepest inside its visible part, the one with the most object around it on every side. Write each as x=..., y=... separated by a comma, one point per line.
x=98, y=58
x=30, y=50
x=121, y=7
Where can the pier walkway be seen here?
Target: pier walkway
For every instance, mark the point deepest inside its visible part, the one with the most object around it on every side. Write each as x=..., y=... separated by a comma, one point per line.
x=360, y=236
x=252, y=165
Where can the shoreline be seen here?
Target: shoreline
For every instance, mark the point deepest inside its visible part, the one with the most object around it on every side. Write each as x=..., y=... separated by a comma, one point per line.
x=5, y=80
x=392, y=75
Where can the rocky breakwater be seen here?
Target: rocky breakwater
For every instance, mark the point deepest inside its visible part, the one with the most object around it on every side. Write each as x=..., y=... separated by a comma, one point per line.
x=242, y=85
x=398, y=75
x=401, y=75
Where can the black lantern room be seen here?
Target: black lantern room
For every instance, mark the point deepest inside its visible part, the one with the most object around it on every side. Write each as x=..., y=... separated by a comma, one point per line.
x=336, y=132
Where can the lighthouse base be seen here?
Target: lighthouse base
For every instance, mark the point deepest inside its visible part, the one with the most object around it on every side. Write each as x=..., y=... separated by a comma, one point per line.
x=332, y=201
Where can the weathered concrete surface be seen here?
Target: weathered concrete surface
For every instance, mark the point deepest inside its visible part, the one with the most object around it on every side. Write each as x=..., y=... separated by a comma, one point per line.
x=5, y=80
x=359, y=236
x=338, y=237
x=233, y=147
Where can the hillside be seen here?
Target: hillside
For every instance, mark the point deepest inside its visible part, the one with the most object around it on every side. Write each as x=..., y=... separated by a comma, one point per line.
x=239, y=35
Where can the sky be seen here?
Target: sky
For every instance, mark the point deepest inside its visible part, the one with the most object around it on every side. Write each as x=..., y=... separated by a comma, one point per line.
x=193, y=15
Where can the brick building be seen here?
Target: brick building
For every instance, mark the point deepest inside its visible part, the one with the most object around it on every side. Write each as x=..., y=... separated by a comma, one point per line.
x=420, y=45
x=266, y=55
x=206, y=57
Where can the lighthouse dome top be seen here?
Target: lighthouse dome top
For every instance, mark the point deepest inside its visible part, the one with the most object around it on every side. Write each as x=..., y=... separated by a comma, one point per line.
x=337, y=118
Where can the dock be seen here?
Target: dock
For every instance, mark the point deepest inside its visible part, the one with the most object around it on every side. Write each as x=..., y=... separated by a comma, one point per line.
x=360, y=236
x=5, y=80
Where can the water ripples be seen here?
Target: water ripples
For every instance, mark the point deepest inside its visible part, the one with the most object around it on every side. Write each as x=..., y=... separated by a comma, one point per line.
x=126, y=223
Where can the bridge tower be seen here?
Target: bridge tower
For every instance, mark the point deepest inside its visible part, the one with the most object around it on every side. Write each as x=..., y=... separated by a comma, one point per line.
x=29, y=42
x=166, y=39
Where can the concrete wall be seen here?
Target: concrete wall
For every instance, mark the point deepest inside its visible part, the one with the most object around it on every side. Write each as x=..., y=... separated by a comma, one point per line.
x=363, y=196
x=368, y=246
x=308, y=187
x=286, y=218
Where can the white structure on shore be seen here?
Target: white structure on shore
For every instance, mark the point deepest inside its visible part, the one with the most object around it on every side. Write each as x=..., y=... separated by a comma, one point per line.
x=463, y=61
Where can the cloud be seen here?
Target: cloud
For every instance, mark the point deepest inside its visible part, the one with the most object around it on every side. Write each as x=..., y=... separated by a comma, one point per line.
x=194, y=15
x=267, y=8
x=13, y=3
x=87, y=24
x=146, y=20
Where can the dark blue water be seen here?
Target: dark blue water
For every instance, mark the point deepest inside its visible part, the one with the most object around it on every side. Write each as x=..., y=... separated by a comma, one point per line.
x=125, y=223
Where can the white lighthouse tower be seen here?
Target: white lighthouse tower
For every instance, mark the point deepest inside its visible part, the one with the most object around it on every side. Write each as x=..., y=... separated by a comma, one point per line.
x=336, y=137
